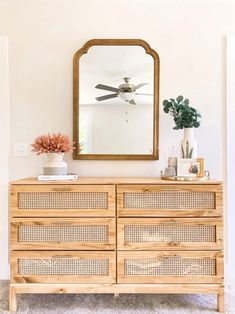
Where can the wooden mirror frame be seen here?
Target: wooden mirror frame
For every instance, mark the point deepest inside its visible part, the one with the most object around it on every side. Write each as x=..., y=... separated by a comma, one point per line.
x=115, y=42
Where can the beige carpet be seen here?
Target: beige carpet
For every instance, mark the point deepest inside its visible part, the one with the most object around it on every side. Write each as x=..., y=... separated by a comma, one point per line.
x=107, y=304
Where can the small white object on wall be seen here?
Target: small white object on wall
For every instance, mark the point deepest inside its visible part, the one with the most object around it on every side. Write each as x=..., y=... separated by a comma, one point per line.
x=21, y=149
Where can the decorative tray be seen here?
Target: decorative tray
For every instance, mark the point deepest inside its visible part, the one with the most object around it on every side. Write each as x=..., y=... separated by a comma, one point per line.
x=185, y=178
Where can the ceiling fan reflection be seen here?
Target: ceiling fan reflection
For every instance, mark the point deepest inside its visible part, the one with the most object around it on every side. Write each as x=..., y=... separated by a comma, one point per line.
x=126, y=91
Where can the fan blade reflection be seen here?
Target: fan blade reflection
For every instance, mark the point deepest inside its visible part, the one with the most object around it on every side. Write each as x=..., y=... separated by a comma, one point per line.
x=106, y=87
x=106, y=97
x=132, y=102
x=140, y=85
x=143, y=94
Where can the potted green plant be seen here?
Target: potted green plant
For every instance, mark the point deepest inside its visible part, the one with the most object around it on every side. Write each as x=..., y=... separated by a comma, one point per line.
x=187, y=118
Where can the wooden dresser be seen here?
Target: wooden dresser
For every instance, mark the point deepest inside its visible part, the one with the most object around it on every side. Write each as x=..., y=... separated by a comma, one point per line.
x=116, y=235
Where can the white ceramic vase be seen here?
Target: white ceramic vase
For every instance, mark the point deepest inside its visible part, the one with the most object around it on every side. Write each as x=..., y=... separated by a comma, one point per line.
x=55, y=164
x=188, y=144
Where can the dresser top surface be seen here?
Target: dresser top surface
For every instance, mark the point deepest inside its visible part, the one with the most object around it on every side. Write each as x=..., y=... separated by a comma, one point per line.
x=113, y=180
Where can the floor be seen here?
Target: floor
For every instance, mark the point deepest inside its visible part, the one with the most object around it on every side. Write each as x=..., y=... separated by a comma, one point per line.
x=107, y=304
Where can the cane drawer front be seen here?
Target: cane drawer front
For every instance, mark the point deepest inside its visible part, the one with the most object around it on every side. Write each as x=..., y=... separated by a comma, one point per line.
x=63, y=234
x=170, y=233
x=170, y=200
x=170, y=267
x=63, y=267
x=62, y=200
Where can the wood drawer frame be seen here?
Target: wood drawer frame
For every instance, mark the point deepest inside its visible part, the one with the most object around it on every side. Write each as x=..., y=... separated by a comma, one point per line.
x=218, y=223
x=121, y=278
x=115, y=282
x=16, y=212
x=129, y=212
x=16, y=245
x=17, y=278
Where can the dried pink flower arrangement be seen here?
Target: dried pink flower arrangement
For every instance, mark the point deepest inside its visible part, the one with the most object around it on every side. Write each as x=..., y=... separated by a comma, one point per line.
x=52, y=143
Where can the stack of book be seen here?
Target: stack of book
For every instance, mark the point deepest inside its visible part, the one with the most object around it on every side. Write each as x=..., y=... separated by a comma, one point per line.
x=69, y=176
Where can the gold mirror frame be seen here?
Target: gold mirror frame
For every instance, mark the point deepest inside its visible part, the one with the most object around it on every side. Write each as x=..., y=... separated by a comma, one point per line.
x=115, y=42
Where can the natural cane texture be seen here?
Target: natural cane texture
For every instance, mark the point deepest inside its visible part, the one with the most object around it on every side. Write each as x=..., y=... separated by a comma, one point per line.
x=170, y=266
x=116, y=235
x=52, y=143
x=63, y=266
x=169, y=233
x=63, y=200
x=83, y=233
x=167, y=200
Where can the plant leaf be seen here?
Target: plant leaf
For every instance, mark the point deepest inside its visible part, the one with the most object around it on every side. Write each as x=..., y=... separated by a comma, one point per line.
x=179, y=99
x=182, y=150
x=186, y=101
x=191, y=153
x=196, y=124
x=165, y=102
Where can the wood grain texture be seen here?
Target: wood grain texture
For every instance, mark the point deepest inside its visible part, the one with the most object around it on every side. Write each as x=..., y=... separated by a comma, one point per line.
x=51, y=188
x=16, y=277
x=140, y=255
x=12, y=299
x=114, y=180
x=147, y=189
x=153, y=244
x=117, y=288
x=16, y=223
x=76, y=84
x=220, y=300
x=115, y=281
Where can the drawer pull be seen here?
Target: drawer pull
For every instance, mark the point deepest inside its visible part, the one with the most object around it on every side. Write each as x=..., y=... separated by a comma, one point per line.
x=62, y=256
x=171, y=189
x=174, y=243
x=63, y=189
x=62, y=223
x=146, y=190
x=166, y=222
x=172, y=256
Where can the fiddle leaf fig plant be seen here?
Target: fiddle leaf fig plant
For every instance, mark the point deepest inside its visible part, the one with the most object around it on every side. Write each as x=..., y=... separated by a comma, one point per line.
x=184, y=116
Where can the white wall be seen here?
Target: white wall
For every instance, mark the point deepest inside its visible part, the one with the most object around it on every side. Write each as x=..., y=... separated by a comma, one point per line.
x=118, y=128
x=189, y=36
x=4, y=140
x=230, y=154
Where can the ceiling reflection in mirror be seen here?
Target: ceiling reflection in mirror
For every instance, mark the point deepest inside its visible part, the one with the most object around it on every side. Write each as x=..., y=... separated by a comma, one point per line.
x=116, y=101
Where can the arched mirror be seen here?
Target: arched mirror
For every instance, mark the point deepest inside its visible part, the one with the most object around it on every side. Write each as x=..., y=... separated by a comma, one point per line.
x=116, y=100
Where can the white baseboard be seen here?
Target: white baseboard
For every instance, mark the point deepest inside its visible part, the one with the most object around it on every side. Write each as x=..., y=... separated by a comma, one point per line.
x=5, y=272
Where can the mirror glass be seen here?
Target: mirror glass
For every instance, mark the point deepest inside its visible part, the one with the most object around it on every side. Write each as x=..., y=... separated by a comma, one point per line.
x=116, y=102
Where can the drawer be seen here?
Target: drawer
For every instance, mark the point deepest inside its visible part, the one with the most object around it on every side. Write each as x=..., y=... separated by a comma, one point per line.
x=170, y=233
x=66, y=267
x=62, y=200
x=170, y=200
x=170, y=267
x=63, y=233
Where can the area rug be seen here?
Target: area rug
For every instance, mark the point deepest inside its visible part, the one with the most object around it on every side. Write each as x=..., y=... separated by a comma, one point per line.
x=108, y=304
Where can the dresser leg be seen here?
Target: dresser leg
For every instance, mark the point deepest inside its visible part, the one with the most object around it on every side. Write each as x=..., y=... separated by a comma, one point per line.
x=12, y=300
x=220, y=301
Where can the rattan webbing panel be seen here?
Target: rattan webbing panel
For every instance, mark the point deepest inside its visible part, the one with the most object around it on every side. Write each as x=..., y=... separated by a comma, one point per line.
x=169, y=233
x=169, y=200
x=170, y=266
x=63, y=200
x=81, y=233
x=63, y=266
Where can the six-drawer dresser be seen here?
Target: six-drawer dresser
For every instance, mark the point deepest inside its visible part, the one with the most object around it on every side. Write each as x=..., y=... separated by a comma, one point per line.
x=116, y=235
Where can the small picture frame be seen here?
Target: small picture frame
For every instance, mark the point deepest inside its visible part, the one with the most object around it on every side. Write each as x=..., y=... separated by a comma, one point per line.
x=190, y=167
